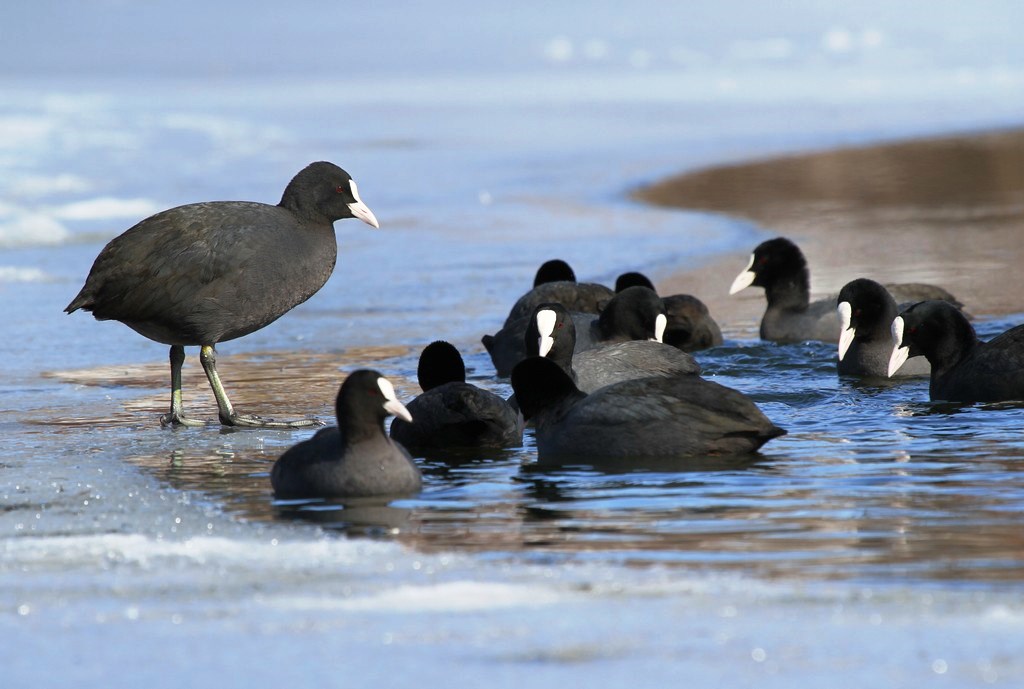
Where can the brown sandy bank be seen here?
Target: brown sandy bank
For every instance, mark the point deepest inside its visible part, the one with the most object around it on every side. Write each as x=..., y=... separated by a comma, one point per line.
x=946, y=210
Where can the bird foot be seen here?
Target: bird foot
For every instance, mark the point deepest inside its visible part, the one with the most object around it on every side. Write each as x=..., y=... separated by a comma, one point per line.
x=173, y=419
x=252, y=421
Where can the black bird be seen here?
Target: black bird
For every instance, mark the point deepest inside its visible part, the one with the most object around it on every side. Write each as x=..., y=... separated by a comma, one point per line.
x=506, y=346
x=780, y=268
x=690, y=326
x=636, y=313
x=552, y=334
x=866, y=312
x=681, y=416
x=452, y=413
x=205, y=273
x=964, y=369
x=579, y=297
x=632, y=279
x=555, y=270
x=354, y=459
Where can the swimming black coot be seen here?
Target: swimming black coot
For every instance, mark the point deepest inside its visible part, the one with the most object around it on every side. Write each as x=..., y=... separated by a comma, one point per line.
x=964, y=369
x=780, y=268
x=505, y=347
x=635, y=313
x=354, y=459
x=552, y=334
x=633, y=279
x=680, y=416
x=866, y=311
x=452, y=413
x=555, y=270
x=690, y=326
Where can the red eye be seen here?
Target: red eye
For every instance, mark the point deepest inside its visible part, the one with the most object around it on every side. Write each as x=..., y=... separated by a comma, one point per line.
x=340, y=189
x=913, y=329
x=559, y=326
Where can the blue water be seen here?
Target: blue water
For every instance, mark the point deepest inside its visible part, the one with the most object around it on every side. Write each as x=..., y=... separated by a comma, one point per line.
x=880, y=539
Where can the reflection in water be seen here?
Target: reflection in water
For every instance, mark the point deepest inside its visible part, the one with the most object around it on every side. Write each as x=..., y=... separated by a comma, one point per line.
x=374, y=519
x=872, y=482
x=886, y=516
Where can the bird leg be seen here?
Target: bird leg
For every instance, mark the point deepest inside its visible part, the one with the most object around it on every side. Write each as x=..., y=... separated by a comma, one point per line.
x=228, y=416
x=176, y=416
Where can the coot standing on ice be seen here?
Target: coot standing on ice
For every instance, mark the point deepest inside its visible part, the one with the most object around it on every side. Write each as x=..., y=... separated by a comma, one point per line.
x=205, y=273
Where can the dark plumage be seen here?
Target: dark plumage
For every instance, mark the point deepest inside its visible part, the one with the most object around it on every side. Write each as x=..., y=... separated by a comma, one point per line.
x=780, y=268
x=866, y=311
x=506, y=346
x=452, y=413
x=964, y=369
x=580, y=297
x=354, y=459
x=552, y=334
x=632, y=279
x=555, y=270
x=690, y=326
x=206, y=273
x=635, y=313
x=679, y=416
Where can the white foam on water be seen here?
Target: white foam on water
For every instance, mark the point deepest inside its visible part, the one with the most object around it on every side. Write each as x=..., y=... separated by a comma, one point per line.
x=228, y=134
x=102, y=550
x=23, y=226
x=454, y=596
x=20, y=228
x=13, y=274
x=106, y=207
x=19, y=131
x=37, y=185
x=1004, y=615
x=771, y=49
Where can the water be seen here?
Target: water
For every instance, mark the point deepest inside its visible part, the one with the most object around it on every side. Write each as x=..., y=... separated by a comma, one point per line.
x=882, y=535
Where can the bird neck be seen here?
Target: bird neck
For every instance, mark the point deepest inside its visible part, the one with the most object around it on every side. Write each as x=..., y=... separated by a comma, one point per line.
x=790, y=292
x=303, y=206
x=956, y=344
x=359, y=427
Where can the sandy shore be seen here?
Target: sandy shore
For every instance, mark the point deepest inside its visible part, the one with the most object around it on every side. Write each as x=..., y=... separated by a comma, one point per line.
x=948, y=211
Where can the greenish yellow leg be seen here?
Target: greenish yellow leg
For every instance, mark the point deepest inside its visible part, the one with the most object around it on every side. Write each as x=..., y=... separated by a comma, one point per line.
x=176, y=416
x=228, y=416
